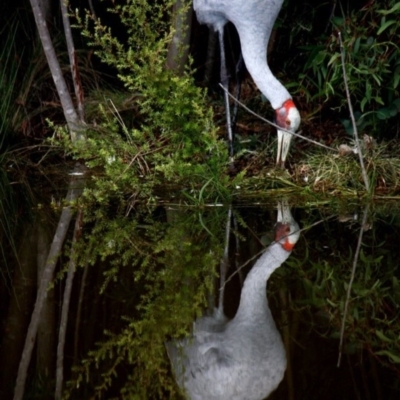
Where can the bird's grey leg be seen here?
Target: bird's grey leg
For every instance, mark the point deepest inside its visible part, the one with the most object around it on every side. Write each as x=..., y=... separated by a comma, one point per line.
x=238, y=74
x=279, y=150
x=224, y=263
x=224, y=82
x=237, y=249
x=210, y=58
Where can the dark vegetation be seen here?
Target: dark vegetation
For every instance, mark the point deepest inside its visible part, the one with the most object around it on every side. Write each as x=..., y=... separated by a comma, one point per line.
x=304, y=54
x=154, y=135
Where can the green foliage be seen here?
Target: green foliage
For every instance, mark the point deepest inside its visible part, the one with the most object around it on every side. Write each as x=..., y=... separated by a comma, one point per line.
x=341, y=174
x=171, y=139
x=8, y=75
x=324, y=271
x=168, y=270
x=372, y=65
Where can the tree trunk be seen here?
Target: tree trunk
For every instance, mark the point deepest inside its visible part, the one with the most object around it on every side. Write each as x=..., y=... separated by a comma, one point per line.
x=179, y=48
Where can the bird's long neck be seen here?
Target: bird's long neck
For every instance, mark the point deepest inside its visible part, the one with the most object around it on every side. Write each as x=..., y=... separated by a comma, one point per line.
x=254, y=49
x=253, y=300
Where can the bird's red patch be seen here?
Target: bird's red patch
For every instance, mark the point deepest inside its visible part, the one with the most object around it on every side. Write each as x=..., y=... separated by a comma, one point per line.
x=282, y=114
x=288, y=104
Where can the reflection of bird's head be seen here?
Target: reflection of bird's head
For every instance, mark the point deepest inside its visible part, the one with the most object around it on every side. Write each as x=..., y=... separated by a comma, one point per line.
x=287, y=231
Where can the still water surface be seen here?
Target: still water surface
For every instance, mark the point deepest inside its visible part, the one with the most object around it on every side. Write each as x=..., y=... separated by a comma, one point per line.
x=152, y=273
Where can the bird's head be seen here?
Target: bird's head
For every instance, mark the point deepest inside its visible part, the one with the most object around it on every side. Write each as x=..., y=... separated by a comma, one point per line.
x=287, y=231
x=286, y=117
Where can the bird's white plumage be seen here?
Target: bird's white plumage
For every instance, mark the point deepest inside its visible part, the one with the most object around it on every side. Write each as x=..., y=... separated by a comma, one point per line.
x=254, y=20
x=243, y=358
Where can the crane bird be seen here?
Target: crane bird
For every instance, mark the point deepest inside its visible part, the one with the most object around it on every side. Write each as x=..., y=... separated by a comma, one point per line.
x=243, y=358
x=253, y=20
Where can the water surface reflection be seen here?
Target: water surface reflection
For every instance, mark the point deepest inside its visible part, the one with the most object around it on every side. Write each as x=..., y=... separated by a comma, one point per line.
x=151, y=274
x=242, y=358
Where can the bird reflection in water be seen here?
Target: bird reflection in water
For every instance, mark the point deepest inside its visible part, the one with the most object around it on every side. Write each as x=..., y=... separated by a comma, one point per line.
x=242, y=358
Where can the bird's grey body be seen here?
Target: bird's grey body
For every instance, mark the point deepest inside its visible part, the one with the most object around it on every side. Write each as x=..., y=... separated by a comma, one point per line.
x=243, y=358
x=254, y=20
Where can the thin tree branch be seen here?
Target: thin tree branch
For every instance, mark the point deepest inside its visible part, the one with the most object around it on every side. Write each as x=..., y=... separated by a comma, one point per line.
x=73, y=60
x=262, y=251
x=75, y=190
x=77, y=182
x=92, y=10
x=353, y=121
x=65, y=309
x=74, y=124
x=276, y=126
x=79, y=313
x=331, y=15
x=224, y=264
x=353, y=272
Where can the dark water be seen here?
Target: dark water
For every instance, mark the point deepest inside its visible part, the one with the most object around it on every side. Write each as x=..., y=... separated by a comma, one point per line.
x=145, y=276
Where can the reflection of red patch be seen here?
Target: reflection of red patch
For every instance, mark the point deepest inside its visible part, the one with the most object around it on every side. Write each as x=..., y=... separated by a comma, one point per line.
x=281, y=232
x=287, y=245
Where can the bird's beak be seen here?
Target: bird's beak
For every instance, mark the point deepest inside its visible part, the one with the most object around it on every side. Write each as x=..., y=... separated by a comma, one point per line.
x=284, y=139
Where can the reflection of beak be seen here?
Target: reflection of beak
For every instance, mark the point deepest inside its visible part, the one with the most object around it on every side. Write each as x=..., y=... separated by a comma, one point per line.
x=285, y=218
x=284, y=214
x=284, y=139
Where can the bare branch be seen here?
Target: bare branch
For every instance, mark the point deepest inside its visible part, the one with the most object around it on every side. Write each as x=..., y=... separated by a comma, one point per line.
x=274, y=125
x=74, y=124
x=73, y=60
x=353, y=272
x=353, y=121
x=238, y=269
x=75, y=190
x=92, y=10
x=65, y=309
x=79, y=313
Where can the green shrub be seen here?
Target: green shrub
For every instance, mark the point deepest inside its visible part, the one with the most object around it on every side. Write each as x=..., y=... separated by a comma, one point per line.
x=171, y=138
x=370, y=37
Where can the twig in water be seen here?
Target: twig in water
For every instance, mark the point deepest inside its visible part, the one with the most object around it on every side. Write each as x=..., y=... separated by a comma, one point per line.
x=65, y=309
x=75, y=190
x=238, y=269
x=353, y=272
x=276, y=126
x=353, y=121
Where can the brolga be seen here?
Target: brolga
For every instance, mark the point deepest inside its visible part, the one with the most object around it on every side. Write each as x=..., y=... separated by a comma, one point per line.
x=242, y=358
x=253, y=20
